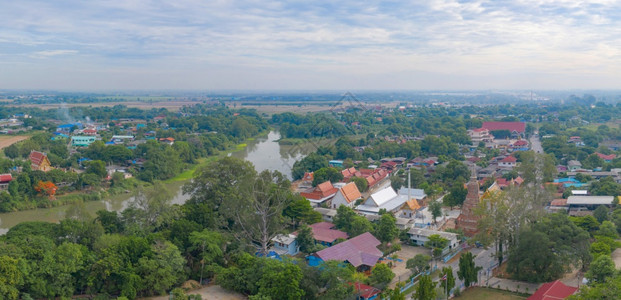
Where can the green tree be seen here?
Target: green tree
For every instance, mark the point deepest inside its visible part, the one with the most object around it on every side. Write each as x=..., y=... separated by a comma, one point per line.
x=393, y=294
x=435, y=207
x=449, y=283
x=435, y=241
x=426, y=289
x=601, y=269
x=209, y=245
x=467, y=269
x=381, y=275
x=386, y=229
x=548, y=248
x=162, y=271
x=327, y=174
x=419, y=263
x=300, y=210
x=96, y=167
x=305, y=239
x=610, y=289
x=601, y=213
x=11, y=151
x=608, y=229
x=456, y=196
x=11, y=278
x=359, y=226
x=310, y=163
x=361, y=183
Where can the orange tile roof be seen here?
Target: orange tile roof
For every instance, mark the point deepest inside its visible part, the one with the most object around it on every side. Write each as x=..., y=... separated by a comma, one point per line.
x=350, y=192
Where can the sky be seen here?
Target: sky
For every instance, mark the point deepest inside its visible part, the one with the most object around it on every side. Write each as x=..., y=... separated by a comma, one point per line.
x=310, y=45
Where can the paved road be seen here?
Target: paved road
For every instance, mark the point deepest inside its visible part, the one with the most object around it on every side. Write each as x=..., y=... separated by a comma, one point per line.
x=483, y=257
x=535, y=143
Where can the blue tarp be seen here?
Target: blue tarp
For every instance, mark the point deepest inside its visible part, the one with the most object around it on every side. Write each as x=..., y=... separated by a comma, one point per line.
x=314, y=261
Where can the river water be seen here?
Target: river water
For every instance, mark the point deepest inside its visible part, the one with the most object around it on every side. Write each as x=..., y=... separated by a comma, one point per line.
x=264, y=152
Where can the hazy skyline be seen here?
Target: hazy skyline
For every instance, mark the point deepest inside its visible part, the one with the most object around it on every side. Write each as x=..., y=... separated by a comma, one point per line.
x=519, y=44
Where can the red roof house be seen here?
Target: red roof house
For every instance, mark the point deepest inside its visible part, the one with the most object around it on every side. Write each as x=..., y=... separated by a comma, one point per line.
x=321, y=193
x=89, y=131
x=605, y=157
x=520, y=143
x=324, y=233
x=554, y=290
x=360, y=251
x=365, y=292
x=518, y=127
x=5, y=179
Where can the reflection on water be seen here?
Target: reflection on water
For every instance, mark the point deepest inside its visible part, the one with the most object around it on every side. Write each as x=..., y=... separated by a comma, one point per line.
x=264, y=152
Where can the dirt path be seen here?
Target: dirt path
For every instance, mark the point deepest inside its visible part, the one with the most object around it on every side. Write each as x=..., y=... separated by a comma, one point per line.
x=616, y=257
x=211, y=292
x=8, y=140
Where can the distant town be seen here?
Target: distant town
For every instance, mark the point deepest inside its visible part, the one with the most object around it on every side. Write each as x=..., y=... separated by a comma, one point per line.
x=332, y=196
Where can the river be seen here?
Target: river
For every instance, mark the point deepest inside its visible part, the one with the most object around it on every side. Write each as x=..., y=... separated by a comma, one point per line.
x=264, y=152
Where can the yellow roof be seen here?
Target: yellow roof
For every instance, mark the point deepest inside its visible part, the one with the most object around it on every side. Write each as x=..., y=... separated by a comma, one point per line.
x=411, y=204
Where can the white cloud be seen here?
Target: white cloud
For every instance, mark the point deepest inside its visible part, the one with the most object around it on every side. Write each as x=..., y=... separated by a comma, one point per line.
x=324, y=44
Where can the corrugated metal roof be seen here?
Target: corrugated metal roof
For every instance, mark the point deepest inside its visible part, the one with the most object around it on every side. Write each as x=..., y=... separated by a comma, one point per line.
x=590, y=200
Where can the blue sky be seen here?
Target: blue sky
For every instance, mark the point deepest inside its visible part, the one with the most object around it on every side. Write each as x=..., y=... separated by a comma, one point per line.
x=292, y=45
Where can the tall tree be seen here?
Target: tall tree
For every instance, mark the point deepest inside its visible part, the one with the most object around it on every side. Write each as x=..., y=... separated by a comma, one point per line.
x=467, y=269
x=10, y=278
x=426, y=288
x=548, y=248
x=419, y=263
x=305, y=239
x=258, y=217
x=436, y=209
x=447, y=279
x=381, y=275
x=600, y=270
x=386, y=229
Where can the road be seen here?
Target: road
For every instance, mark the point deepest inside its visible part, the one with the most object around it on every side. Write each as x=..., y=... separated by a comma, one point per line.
x=535, y=143
x=484, y=258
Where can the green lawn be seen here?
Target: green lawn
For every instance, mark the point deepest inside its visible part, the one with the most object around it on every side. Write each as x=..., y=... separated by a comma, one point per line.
x=479, y=293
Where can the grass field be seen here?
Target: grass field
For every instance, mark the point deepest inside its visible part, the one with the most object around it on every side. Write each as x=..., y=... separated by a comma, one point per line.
x=479, y=293
x=8, y=140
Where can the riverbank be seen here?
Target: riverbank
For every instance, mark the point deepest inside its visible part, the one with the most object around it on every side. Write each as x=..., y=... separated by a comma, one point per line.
x=128, y=187
x=263, y=152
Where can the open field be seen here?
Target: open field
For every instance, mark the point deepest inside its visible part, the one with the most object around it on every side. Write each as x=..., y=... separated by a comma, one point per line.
x=8, y=140
x=478, y=293
x=170, y=105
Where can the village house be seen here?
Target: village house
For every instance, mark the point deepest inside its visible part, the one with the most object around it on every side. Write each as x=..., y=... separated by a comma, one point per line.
x=360, y=251
x=285, y=244
x=347, y=195
x=82, y=141
x=574, y=165
x=325, y=234
x=326, y=213
x=39, y=161
x=320, y=194
x=168, y=141
x=420, y=236
x=508, y=162
x=480, y=135
x=5, y=179
x=607, y=158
